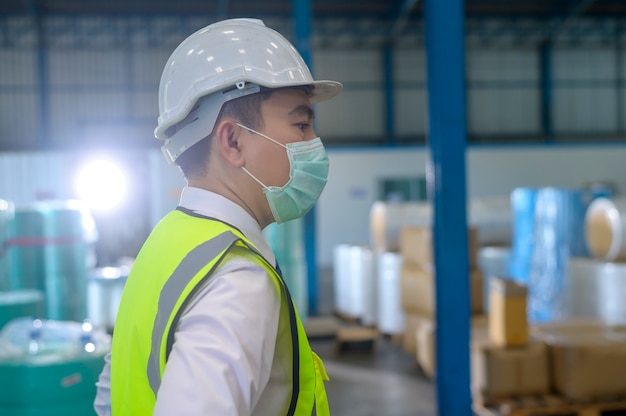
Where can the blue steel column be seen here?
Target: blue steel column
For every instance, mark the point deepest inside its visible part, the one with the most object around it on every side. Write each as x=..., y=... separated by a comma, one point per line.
x=446, y=172
x=302, y=15
x=545, y=66
x=390, y=122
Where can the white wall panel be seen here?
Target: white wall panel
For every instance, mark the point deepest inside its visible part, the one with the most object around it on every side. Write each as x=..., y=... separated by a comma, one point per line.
x=19, y=119
x=583, y=64
x=147, y=66
x=352, y=114
x=584, y=110
x=348, y=66
x=410, y=112
x=71, y=114
x=503, y=111
x=18, y=67
x=91, y=69
x=502, y=65
x=503, y=95
x=145, y=105
x=409, y=65
x=358, y=111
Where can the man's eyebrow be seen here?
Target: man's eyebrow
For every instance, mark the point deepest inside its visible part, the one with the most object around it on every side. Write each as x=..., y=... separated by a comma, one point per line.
x=302, y=110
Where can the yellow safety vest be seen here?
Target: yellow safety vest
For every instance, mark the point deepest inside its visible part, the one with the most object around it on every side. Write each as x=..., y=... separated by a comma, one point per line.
x=177, y=259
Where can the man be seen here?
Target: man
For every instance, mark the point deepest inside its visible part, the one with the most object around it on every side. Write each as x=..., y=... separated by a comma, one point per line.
x=206, y=325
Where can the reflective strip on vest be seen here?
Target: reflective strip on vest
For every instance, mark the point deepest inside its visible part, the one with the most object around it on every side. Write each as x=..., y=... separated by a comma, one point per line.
x=172, y=291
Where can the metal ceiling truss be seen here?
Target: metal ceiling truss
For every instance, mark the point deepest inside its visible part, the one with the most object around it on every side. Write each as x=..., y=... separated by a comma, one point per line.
x=77, y=32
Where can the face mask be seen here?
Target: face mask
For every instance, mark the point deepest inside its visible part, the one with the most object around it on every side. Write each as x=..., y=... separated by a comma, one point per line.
x=308, y=173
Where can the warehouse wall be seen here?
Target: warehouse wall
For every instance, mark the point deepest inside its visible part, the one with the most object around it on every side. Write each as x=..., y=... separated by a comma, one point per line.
x=102, y=77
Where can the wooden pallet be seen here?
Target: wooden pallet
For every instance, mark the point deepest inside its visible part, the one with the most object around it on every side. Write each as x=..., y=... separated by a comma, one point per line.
x=347, y=318
x=551, y=406
x=359, y=337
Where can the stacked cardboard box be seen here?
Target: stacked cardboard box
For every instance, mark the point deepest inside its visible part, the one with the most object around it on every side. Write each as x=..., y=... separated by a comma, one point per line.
x=587, y=359
x=508, y=364
x=425, y=341
x=417, y=290
x=582, y=361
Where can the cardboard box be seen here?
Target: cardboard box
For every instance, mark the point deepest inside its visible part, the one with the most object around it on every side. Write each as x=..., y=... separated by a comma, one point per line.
x=508, y=321
x=499, y=373
x=411, y=323
x=587, y=359
x=417, y=291
x=416, y=246
x=425, y=341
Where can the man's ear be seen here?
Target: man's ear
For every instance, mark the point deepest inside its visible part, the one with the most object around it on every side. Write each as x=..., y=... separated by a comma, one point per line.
x=226, y=137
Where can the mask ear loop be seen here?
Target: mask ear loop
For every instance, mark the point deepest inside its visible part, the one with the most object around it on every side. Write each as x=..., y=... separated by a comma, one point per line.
x=260, y=134
x=255, y=178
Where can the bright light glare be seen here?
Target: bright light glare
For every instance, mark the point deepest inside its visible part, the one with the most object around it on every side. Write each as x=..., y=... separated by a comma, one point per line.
x=101, y=184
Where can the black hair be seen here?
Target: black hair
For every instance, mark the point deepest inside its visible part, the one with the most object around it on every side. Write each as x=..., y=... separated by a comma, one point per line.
x=246, y=110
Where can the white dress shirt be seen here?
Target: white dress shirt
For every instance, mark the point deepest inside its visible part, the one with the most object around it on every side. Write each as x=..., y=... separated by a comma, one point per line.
x=230, y=355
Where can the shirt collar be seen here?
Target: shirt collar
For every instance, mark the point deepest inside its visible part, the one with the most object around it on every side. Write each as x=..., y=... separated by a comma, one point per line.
x=214, y=205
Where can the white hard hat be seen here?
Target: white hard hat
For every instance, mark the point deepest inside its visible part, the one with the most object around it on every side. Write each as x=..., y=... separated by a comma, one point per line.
x=221, y=62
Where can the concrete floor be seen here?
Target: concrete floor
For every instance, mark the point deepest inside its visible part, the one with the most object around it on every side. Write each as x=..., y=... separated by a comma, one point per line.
x=383, y=380
x=366, y=381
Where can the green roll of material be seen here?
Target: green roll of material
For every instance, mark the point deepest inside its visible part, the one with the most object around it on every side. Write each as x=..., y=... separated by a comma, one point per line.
x=287, y=242
x=6, y=217
x=19, y=304
x=48, y=252
x=50, y=385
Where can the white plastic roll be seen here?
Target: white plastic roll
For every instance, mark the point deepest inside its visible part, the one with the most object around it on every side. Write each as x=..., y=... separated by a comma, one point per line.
x=390, y=313
x=582, y=289
x=341, y=278
x=596, y=289
x=605, y=229
x=363, y=284
x=104, y=294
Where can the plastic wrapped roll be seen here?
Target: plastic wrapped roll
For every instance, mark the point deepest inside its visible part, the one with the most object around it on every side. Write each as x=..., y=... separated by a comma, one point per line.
x=390, y=312
x=6, y=216
x=50, y=249
x=605, y=229
x=354, y=283
x=341, y=278
x=523, y=207
x=20, y=303
x=558, y=235
x=363, y=287
x=104, y=293
x=596, y=289
x=287, y=243
x=582, y=289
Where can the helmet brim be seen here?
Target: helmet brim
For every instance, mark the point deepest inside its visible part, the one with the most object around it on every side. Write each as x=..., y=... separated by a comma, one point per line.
x=325, y=90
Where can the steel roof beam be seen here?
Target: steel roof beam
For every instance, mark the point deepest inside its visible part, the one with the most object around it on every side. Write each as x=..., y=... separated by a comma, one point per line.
x=564, y=24
x=403, y=15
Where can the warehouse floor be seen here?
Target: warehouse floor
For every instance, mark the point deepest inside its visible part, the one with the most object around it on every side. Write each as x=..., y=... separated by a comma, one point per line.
x=380, y=381
x=383, y=380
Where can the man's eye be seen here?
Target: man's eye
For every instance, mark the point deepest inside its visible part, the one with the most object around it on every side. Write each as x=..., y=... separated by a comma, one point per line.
x=303, y=126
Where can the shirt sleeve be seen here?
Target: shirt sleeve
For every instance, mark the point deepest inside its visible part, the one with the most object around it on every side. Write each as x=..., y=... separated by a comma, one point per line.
x=224, y=345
